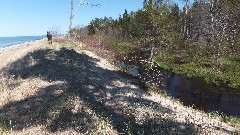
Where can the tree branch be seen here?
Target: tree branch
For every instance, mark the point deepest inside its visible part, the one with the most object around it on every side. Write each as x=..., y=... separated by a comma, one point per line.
x=84, y=3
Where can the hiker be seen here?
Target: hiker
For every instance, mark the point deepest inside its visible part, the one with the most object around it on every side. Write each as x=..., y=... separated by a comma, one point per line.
x=49, y=36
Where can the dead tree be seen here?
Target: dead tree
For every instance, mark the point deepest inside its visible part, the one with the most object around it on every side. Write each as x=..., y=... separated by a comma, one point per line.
x=73, y=13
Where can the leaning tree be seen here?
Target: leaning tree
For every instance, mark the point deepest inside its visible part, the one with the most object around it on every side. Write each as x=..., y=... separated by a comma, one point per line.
x=73, y=12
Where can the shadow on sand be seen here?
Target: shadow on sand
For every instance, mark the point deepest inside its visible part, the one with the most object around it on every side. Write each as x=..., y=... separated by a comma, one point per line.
x=83, y=82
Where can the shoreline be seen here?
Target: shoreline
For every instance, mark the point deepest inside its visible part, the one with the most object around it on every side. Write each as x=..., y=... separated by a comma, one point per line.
x=20, y=44
x=14, y=52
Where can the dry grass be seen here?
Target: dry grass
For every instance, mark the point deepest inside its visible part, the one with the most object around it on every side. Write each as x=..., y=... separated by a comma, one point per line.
x=61, y=89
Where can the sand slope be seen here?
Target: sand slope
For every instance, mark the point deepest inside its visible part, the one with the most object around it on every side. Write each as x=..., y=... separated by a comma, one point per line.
x=62, y=89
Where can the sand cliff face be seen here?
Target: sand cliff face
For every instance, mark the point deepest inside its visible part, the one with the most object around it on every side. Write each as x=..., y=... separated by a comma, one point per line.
x=60, y=89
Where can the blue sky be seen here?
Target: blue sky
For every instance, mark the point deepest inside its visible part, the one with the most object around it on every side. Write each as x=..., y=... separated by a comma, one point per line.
x=35, y=17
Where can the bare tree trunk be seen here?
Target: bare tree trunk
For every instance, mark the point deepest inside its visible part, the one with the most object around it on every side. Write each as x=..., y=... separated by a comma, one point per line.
x=186, y=29
x=150, y=58
x=71, y=18
x=151, y=54
x=72, y=14
x=213, y=20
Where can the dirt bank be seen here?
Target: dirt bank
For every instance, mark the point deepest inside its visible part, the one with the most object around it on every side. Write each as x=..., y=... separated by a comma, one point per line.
x=62, y=89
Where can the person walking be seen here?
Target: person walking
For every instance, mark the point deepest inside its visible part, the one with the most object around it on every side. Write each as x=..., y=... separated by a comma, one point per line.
x=49, y=36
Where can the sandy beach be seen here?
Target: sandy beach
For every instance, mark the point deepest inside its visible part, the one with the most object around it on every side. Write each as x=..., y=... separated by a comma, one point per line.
x=19, y=50
x=64, y=89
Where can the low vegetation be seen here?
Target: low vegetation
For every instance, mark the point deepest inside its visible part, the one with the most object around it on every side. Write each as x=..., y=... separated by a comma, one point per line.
x=191, y=41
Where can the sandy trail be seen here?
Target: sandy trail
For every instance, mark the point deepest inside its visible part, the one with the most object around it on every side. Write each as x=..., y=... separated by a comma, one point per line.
x=65, y=90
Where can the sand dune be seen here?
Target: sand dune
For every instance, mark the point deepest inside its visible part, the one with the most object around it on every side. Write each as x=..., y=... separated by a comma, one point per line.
x=63, y=89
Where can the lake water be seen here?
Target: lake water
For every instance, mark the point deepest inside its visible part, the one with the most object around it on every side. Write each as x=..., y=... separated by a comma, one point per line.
x=8, y=41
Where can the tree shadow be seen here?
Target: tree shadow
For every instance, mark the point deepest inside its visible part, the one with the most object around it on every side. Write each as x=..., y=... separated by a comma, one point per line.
x=80, y=80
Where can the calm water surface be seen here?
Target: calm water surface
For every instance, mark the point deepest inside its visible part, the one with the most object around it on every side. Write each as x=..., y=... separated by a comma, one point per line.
x=192, y=92
x=8, y=41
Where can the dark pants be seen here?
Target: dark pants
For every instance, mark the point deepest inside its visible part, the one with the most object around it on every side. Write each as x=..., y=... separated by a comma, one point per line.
x=50, y=40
